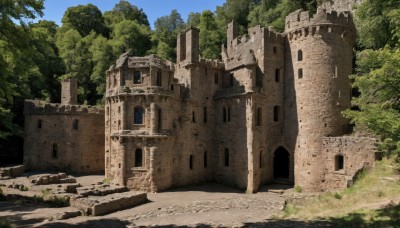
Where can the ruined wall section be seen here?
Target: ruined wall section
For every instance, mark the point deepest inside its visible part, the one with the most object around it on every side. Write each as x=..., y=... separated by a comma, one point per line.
x=345, y=157
x=63, y=137
x=319, y=60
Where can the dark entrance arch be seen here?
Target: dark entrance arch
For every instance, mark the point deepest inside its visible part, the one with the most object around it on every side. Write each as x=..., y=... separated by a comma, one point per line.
x=281, y=163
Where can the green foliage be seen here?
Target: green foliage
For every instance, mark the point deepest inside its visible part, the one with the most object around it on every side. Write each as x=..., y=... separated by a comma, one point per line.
x=210, y=40
x=193, y=20
x=125, y=11
x=338, y=196
x=5, y=223
x=166, y=30
x=298, y=188
x=84, y=19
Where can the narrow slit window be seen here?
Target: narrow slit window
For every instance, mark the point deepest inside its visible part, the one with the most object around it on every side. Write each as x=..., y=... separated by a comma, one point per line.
x=54, y=151
x=276, y=113
x=300, y=73
x=224, y=114
x=231, y=79
x=159, y=124
x=191, y=162
x=259, y=117
x=274, y=49
x=138, y=157
x=159, y=78
x=205, y=159
x=39, y=124
x=261, y=159
x=205, y=114
x=277, y=75
x=229, y=115
x=226, y=157
x=137, y=77
x=193, y=117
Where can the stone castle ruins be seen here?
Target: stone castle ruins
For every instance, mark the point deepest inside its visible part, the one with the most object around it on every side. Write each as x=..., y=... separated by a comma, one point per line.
x=270, y=109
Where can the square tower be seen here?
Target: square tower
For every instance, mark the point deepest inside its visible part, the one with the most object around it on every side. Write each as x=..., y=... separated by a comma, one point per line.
x=69, y=88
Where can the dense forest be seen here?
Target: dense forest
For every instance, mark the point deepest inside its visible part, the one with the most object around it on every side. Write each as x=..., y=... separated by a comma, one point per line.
x=35, y=57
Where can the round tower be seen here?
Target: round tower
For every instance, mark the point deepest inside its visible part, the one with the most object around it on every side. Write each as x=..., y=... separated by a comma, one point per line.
x=319, y=52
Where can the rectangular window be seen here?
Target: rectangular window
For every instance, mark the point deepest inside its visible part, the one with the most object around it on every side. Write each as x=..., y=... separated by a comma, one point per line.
x=159, y=78
x=137, y=77
x=216, y=78
x=231, y=80
x=275, y=50
x=205, y=114
x=138, y=157
x=277, y=75
x=226, y=157
x=39, y=124
x=75, y=124
x=205, y=159
x=55, y=151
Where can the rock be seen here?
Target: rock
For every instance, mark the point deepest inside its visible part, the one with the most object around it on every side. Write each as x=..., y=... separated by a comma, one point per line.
x=67, y=215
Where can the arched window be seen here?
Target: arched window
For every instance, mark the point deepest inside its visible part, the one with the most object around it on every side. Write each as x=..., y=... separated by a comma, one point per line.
x=226, y=157
x=259, y=117
x=138, y=115
x=138, y=157
x=300, y=73
x=300, y=55
x=339, y=162
x=205, y=159
x=224, y=114
x=191, y=162
x=276, y=113
x=75, y=124
x=54, y=151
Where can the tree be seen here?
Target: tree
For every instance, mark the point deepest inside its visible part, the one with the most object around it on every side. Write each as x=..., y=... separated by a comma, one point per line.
x=130, y=36
x=84, y=19
x=125, y=11
x=193, y=19
x=167, y=29
x=14, y=39
x=210, y=40
x=377, y=78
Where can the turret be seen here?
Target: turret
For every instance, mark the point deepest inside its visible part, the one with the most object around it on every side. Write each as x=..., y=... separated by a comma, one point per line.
x=69, y=90
x=320, y=52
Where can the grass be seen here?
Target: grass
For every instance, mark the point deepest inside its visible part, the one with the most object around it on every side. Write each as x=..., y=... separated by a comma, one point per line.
x=51, y=200
x=359, y=204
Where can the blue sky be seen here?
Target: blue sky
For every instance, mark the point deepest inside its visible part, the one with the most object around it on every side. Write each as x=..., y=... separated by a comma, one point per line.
x=54, y=9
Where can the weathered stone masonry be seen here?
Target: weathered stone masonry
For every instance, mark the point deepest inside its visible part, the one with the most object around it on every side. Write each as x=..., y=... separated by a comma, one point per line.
x=270, y=109
x=64, y=136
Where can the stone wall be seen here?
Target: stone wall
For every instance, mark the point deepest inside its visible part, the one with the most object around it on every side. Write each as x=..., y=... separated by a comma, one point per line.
x=63, y=137
x=358, y=153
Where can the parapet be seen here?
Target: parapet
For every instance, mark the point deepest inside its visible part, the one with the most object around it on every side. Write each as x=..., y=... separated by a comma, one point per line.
x=301, y=19
x=38, y=107
x=140, y=62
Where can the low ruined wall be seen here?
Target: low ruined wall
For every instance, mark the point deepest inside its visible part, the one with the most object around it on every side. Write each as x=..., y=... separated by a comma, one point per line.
x=108, y=204
x=358, y=154
x=12, y=171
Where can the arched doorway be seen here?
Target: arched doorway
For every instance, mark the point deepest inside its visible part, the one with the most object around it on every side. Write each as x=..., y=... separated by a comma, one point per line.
x=281, y=163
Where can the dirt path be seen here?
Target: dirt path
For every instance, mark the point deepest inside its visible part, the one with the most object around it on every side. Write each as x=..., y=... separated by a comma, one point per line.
x=210, y=204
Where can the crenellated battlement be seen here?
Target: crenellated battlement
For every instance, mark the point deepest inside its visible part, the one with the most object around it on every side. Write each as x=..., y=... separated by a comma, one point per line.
x=301, y=19
x=38, y=107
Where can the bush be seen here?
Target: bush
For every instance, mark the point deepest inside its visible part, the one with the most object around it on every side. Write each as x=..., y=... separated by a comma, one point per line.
x=4, y=223
x=298, y=188
x=337, y=196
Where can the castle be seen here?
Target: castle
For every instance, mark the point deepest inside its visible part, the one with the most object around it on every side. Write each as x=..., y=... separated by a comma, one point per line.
x=270, y=109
